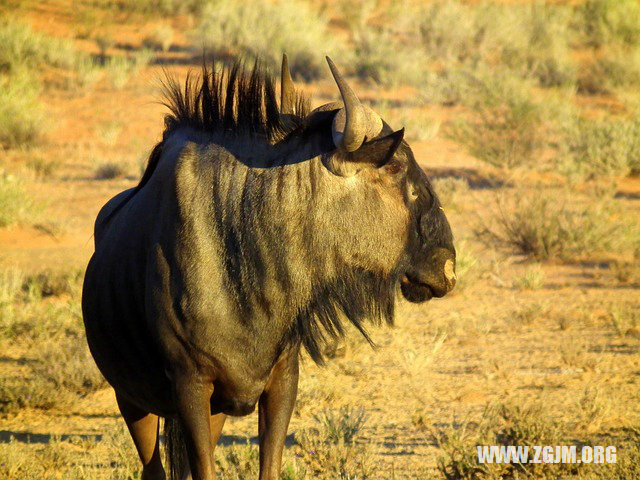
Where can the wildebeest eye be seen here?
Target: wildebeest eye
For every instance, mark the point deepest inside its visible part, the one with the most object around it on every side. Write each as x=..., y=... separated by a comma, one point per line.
x=393, y=167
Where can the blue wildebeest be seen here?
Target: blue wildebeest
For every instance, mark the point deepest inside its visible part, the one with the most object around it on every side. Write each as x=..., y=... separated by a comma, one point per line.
x=254, y=230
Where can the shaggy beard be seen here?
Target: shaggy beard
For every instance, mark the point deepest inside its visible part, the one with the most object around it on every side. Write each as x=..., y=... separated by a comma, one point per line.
x=357, y=295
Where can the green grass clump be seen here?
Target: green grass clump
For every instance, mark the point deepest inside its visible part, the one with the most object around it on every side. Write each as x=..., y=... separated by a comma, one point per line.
x=448, y=32
x=507, y=127
x=65, y=363
x=21, y=115
x=539, y=45
x=601, y=22
x=21, y=46
x=607, y=146
x=528, y=425
x=615, y=69
x=377, y=58
x=257, y=28
x=532, y=41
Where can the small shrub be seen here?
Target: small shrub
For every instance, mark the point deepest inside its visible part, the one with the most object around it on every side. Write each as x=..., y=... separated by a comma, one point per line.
x=119, y=70
x=68, y=364
x=544, y=226
x=22, y=47
x=21, y=115
x=454, y=86
x=627, y=466
x=87, y=72
x=616, y=67
x=329, y=452
x=113, y=457
x=449, y=33
x=624, y=319
x=293, y=27
x=342, y=426
x=381, y=58
x=575, y=355
x=507, y=128
x=529, y=40
x=540, y=49
x=158, y=7
x=16, y=394
x=52, y=284
x=625, y=272
x=601, y=22
x=109, y=170
x=43, y=168
x=592, y=148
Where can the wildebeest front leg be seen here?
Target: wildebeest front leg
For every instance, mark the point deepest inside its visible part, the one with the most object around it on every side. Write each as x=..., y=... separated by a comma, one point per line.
x=274, y=413
x=143, y=427
x=193, y=401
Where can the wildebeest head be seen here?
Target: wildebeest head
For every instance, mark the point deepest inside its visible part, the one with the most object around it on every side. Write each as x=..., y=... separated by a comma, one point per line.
x=406, y=223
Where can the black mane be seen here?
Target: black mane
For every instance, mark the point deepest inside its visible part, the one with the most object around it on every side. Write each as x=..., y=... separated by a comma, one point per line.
x=232, y=100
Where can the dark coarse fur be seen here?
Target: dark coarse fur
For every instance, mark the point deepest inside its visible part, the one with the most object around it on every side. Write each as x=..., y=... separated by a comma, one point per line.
x=358, y=295
x=246, y=239
x=240, y=102
x=228, y=99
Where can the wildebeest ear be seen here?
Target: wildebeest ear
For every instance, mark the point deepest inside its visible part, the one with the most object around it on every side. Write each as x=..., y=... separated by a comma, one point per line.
x=379, y=151
x=375, y=153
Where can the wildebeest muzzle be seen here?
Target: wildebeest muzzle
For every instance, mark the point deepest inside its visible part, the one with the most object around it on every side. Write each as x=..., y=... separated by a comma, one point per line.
x=433, y=277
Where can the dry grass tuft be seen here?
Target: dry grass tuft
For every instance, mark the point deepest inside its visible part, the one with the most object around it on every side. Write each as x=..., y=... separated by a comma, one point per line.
x=544, y=227
x=109, y=171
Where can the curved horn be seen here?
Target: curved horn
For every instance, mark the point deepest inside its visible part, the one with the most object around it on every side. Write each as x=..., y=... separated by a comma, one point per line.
x=287, y=90
x=355, y=117
x=355, y=121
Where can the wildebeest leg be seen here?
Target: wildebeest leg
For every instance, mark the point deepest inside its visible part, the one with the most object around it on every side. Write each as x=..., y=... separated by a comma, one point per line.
x=143, y=427
x=193, y=401
x=216, y=422
x=274, y=413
